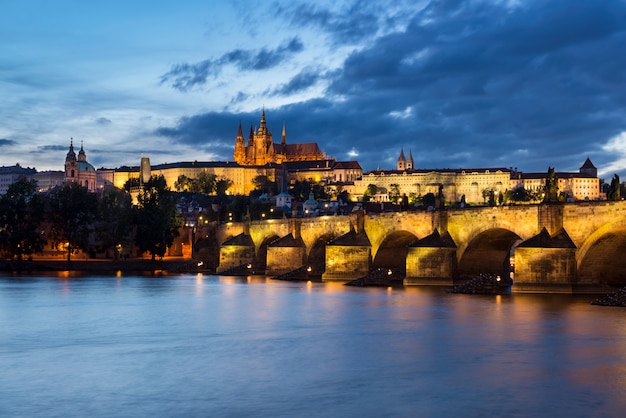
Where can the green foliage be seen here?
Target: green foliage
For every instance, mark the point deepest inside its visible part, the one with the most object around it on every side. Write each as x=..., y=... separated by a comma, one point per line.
x=344, y=196
x=72, y=212
x=263, y=184
x=394, y=193
x=21, y=213
x=156, y=218
x=205, y=183
x=301, y=190
x=370, y=191
x=114, y=223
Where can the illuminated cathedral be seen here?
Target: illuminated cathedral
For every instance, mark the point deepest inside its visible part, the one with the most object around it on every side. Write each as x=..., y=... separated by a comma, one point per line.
x=261, y=149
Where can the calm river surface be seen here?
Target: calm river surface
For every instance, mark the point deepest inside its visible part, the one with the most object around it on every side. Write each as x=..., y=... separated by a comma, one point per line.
x=232, y=347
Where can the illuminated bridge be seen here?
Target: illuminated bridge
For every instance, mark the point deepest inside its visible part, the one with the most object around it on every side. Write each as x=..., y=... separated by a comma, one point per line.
x=550, y=247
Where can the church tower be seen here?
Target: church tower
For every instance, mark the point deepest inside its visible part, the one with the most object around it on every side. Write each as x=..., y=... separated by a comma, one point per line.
x=401, y=161
x=71, y=164
x=409, y=162
x=78, y=170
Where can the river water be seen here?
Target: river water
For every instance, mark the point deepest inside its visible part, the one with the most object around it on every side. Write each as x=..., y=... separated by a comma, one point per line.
x=231, y=347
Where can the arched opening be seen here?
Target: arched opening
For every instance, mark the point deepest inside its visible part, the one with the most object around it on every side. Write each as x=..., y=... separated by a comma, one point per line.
x=317, y=256
x=602, y=264
x=488, y=253
x=260, y=261
x=207, y=250
x=392, y=252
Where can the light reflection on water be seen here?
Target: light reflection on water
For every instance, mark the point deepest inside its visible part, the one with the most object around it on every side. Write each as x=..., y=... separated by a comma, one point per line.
x=203, y=345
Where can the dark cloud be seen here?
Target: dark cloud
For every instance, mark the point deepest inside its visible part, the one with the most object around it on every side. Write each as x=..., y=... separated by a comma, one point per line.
x=103, y=121
x=355, y=22
x=6, y=142
x=462, y=84
x=185, y=76
x=48, y=148
x=306, y=78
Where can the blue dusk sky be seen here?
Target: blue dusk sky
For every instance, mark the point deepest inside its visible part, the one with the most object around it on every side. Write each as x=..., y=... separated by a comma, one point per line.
x=493, y=83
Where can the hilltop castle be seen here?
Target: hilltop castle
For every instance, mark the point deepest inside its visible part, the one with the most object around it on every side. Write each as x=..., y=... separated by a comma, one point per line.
x=261, y=149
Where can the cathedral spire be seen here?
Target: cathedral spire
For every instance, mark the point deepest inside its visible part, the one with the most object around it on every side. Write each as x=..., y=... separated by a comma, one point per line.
x=262, y=127
x=284, y=135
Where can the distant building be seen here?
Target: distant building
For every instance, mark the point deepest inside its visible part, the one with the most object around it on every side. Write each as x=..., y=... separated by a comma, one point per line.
x=581, y=185
x=261, y=149
x=78, y=170
x=47, y=180
x=9, y=175
x=473, y=183
x=453, y=183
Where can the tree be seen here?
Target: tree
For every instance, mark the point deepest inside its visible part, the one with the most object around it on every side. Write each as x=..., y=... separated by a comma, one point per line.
x=394, y=193
x=614, y=192
x=131, y=183
x=156, y=218
x=73, y=211
x=183, y=184
x=370, y=192
x=21, y=213
x=262, y=184
x=222, y=186
x=114, y=223
x=429, y=200
x=205, y=183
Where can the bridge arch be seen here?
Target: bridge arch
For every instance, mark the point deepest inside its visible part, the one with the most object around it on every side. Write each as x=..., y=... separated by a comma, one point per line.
x=599, y=259
x=487, y=252
x=260, y=258
x=392, y=251
x=316, y=254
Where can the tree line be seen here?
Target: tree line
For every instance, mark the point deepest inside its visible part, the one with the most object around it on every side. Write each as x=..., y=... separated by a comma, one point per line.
x=71, y=218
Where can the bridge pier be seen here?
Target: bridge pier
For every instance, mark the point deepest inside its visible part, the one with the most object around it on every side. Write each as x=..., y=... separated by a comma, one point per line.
x=431, y=261
x=285, y=255
x=545, y=264
x=235, y=252
x=348, y=257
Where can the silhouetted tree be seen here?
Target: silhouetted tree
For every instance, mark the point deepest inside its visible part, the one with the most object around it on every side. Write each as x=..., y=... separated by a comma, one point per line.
x=429, y=200
x=262, y=184
x=115, y=222
x=73, y=210
x=370, y=192
x=222, y=186
x=21, y=213
x=157, y=219
x=614, y=192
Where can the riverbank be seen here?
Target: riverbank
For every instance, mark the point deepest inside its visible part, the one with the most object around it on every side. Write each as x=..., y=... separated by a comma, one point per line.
x=176, y=265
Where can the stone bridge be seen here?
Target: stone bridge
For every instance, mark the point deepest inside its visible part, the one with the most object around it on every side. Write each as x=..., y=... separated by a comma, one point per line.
x=573, y=247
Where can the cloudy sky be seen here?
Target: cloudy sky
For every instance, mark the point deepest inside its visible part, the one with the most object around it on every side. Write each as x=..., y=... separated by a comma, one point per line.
x=492, y=83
